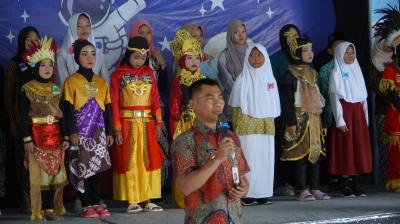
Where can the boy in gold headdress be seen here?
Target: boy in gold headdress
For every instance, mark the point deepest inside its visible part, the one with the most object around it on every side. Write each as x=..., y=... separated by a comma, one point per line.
x=301, y=108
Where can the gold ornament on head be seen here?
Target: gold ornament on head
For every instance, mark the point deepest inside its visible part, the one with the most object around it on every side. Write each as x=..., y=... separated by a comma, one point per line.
x=293, y=45
x=45, y=50
x=185, y=44
x=142, y=51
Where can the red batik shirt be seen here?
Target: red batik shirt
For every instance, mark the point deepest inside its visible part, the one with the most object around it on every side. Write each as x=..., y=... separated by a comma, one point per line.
x=190, y=151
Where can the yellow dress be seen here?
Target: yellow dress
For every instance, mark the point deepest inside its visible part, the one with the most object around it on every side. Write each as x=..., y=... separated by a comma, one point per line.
x=136, y=110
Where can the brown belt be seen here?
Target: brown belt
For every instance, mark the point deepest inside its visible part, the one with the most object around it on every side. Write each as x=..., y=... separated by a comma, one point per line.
x=49, y=119
x=135, y=113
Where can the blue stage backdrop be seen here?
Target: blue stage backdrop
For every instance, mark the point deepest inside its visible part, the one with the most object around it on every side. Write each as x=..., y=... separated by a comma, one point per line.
x=112, y=20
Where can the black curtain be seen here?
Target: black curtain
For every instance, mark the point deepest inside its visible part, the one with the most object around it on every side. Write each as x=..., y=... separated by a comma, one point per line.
x=352, y=18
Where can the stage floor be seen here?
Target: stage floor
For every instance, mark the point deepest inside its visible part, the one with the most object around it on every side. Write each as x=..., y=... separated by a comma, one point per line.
x=380, y=206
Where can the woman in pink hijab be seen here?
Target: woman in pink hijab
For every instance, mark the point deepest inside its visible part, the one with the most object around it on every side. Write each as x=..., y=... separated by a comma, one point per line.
x=156, y=60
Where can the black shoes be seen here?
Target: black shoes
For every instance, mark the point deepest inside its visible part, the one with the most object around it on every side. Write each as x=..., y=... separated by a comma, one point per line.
x=249, y=201
x=351, y=187
x=347, y=192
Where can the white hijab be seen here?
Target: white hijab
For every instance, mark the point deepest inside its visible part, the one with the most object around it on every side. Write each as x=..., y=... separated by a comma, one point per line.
x=255, y=90
x=347, y=80
x=66, y=50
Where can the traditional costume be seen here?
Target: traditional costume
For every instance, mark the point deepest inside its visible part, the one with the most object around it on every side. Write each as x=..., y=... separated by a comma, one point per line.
x=40, y=123
x=156, y=62
x=208, y=65
x=137, y=112
x=350, y=151
x=301, y=106
x=181, y=116
x=87, y=105
x=387, y=31
x=66, y=64
x=255, y=103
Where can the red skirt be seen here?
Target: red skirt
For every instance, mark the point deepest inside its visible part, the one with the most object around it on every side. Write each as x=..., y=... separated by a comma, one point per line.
x=350, y=152
x=393, y=167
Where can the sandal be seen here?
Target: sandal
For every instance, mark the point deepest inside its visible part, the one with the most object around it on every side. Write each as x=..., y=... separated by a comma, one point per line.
x=305, y=195
x=319, y=195
x=134, y=208
x=151, y=207
x=101, y=211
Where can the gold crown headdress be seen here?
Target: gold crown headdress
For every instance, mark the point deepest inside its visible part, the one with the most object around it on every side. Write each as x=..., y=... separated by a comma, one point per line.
x=45, y=50
x=185, y=44
x=293, y=45
x=142, y=51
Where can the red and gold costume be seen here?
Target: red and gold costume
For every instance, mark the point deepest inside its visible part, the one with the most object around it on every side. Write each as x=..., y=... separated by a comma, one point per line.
x=136, y=113
x=391, y=81
x=46, y=162
x=181, y=116
x=41, y=124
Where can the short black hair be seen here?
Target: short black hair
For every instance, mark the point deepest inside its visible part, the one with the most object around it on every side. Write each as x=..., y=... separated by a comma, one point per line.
x=196, y=86
x=333, y=37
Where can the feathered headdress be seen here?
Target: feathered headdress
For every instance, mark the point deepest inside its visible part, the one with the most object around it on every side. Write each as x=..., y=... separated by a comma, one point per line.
x=388, y=26
x=45, y=50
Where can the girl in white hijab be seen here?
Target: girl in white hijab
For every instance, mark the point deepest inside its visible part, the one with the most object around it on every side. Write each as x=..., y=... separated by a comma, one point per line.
x=80, y=27
x=350, y=151
x=255, y=103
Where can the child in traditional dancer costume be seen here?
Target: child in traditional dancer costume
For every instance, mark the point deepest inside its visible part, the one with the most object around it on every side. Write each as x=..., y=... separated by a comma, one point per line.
x=387, y=31
x=87, y=105
x=350, y=151
x=138, y=120
x=255, y=103
x=158, y=64
x=187, y=52
x=301, y=107
x=42, y=132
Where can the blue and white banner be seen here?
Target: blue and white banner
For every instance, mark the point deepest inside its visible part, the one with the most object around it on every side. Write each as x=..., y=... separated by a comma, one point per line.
x=112, y=20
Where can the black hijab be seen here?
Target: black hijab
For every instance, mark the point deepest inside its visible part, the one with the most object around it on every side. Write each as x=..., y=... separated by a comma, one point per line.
x=78, y=46
x=36, y=74
x=134, y=42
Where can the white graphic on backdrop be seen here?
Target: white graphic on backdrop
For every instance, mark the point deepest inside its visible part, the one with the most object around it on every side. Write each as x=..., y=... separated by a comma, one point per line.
x=108, y=25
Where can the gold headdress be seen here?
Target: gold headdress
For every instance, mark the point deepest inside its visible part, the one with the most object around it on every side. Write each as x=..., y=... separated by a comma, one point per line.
x=142, y=51
x=185, y=44
x=294, y=45
x=45, y=50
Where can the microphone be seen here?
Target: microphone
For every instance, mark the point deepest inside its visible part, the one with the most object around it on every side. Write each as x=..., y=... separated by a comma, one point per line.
x=223, y=126
x=223, y=130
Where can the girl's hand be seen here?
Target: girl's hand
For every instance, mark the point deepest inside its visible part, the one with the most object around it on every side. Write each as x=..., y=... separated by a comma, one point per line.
x=110, y=140
x=65, y=145
x=158, y=132
x=324, y=132
x=343, y=128
x=73, y=139
x=118, y=138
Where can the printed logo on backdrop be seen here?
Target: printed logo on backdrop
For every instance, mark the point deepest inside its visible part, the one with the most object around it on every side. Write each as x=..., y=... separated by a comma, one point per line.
x=112, y=20
x=108, y=24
